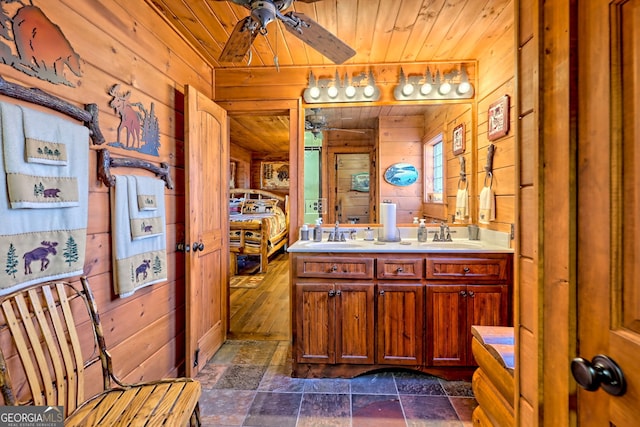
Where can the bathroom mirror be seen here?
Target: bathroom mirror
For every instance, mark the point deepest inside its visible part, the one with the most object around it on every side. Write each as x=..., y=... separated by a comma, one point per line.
x=348, y=145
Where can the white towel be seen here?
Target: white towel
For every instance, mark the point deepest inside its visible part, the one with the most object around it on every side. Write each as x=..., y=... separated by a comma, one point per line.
x=462, y=205
x=146, y=223
x=37, y=245
x=37, y=185
x=44, y=141
x=136, y=263
x=487, y=206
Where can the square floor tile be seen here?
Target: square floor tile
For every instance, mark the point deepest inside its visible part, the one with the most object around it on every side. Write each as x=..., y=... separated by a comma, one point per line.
x=378, y=383
x=225, y=407
x=274, y=410
x=417, y=383
x=325, y=410
x=241, y=377
x=368, y=410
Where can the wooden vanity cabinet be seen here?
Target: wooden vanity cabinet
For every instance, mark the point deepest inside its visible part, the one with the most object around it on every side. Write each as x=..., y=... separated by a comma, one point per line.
x=354, y=313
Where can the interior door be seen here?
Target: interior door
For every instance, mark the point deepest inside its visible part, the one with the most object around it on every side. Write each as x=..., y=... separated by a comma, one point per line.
x=608, y=268
x=352, y=188
x=207, y=163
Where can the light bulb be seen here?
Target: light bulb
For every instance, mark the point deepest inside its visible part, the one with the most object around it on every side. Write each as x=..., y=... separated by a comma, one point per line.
x=407, y=89
x=350, y=91
x=369, y=91
x=332, y=91
x=314, y=92
x=425, y=89
x=445, y=88
x=464, y=87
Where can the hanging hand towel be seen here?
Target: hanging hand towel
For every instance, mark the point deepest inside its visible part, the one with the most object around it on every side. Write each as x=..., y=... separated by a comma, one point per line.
x=462, y=206
x=136, y=263
x=37, y=185
x=145, y=223
x=38, y=245
x=43, y=139
x=487, y=206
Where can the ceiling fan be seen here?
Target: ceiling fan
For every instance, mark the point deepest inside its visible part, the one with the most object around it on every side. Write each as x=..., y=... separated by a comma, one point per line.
x=265, y=11
x=316, y=123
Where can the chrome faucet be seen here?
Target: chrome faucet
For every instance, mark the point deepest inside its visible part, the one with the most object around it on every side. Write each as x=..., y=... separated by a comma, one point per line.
x=334, y=236
x=445, y=234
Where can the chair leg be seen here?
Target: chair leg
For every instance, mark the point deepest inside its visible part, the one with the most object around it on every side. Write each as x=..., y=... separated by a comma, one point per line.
x=195, y=417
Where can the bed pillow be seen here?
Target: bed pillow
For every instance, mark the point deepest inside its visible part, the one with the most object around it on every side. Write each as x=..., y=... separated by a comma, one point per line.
x=259, y=206
x=235, y=206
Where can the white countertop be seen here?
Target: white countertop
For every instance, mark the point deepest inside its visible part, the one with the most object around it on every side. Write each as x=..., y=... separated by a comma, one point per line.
x=404, y=246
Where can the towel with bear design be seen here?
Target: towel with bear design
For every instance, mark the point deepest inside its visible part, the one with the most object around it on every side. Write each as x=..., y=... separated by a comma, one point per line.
x=139, y=238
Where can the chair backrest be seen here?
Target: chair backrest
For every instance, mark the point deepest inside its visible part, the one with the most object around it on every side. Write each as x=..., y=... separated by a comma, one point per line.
x=41, y=352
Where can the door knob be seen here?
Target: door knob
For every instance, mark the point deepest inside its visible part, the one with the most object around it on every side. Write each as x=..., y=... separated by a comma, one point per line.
x=181, y=247
x=201, y=246
x=601, y=371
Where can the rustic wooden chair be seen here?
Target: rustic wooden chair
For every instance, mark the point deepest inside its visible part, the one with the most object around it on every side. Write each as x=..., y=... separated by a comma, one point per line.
x=41, y=347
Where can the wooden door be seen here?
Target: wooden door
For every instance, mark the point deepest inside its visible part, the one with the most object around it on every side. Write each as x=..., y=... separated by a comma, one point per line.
x=608, y=203
x=487, y=305
x=315, y=323
x=207, y=166
x=354, y=337
x=399, y=323
x=447, y=324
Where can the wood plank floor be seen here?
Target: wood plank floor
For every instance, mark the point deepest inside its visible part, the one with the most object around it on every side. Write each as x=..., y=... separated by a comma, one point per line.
x=263, y=313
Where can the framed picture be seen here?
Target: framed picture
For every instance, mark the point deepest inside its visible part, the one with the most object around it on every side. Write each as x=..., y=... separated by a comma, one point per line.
x=274, y=175
x=498, y=118
x=458, y=139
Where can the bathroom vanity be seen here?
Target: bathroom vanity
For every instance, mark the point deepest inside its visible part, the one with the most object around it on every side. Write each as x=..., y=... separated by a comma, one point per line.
x=358, y=306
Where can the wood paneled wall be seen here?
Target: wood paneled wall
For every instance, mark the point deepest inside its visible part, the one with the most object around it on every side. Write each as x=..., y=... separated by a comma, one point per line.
x=400, y=141
x=120, y=42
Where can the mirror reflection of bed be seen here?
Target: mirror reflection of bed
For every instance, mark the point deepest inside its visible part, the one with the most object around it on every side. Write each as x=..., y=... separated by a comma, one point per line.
x=258, y=286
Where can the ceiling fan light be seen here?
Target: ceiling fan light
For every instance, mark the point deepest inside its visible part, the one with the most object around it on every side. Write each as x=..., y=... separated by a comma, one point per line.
x=407, y=89
x=464, y=87
x=369, y=91
x=425, y=89
x=332, y=92
x=314, y=92
x=445, y=88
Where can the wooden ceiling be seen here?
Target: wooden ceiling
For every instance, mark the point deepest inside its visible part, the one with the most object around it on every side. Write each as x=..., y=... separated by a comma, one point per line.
x=380, y=31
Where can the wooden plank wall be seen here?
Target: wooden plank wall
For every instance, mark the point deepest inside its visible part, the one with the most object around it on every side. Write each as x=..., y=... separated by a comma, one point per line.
x=400, y=141
x=121, y=42
x=528, y=357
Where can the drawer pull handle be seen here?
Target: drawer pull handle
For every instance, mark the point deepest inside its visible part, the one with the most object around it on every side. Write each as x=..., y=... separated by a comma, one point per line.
x=463, y=293
x=466, y=270
x=399, y=270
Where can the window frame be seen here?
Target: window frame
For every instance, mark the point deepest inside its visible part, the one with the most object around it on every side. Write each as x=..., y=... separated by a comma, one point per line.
x=429, y=195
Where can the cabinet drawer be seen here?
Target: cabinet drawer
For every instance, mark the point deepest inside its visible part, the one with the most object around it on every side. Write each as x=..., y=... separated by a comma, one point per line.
x=408, y=268
x=327, y=267
x=475, y=268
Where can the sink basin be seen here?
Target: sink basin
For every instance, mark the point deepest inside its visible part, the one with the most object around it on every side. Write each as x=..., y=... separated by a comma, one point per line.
x=333, y=245
x=452, y=245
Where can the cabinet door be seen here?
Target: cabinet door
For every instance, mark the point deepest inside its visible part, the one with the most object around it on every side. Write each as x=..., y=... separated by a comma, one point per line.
x=315, y=323
x=400, y=325
x=446, y=325
x=487, y=305
x=354, y=323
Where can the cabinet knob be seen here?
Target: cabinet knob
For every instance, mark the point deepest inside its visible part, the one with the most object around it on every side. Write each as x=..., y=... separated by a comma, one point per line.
x=463, y=293
x=399, y=270
x=381, y=292
x=472, y=294
x=466, y=270
x=338, y=292
x=334, y=268
x=332, y=293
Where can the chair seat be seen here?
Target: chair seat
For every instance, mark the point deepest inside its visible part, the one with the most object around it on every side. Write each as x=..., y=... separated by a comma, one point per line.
x=168, y=402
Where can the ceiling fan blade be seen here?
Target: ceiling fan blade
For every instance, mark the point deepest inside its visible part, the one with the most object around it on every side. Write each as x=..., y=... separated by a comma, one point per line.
x=318, y=37
x=347, y=130
x=307, y=1
x=239, y=41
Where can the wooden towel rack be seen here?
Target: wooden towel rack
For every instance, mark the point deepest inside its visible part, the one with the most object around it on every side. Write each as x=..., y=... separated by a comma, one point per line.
x=106, y=162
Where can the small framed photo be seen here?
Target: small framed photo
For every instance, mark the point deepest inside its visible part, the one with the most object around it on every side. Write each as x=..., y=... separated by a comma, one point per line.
x=459, y=143
x=498, y=119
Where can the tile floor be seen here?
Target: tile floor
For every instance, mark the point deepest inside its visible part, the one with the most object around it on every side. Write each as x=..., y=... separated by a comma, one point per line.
x=248, y=383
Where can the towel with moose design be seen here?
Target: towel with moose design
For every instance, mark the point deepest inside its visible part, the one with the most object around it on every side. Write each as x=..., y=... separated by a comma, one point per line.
x=139, y=240
x=49, y=243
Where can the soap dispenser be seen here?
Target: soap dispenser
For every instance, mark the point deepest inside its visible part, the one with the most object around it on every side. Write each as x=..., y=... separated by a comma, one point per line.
x=422, y=231
x=317, y=231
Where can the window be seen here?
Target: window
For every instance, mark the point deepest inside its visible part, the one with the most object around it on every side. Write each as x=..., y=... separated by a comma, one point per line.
x=433, y=170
